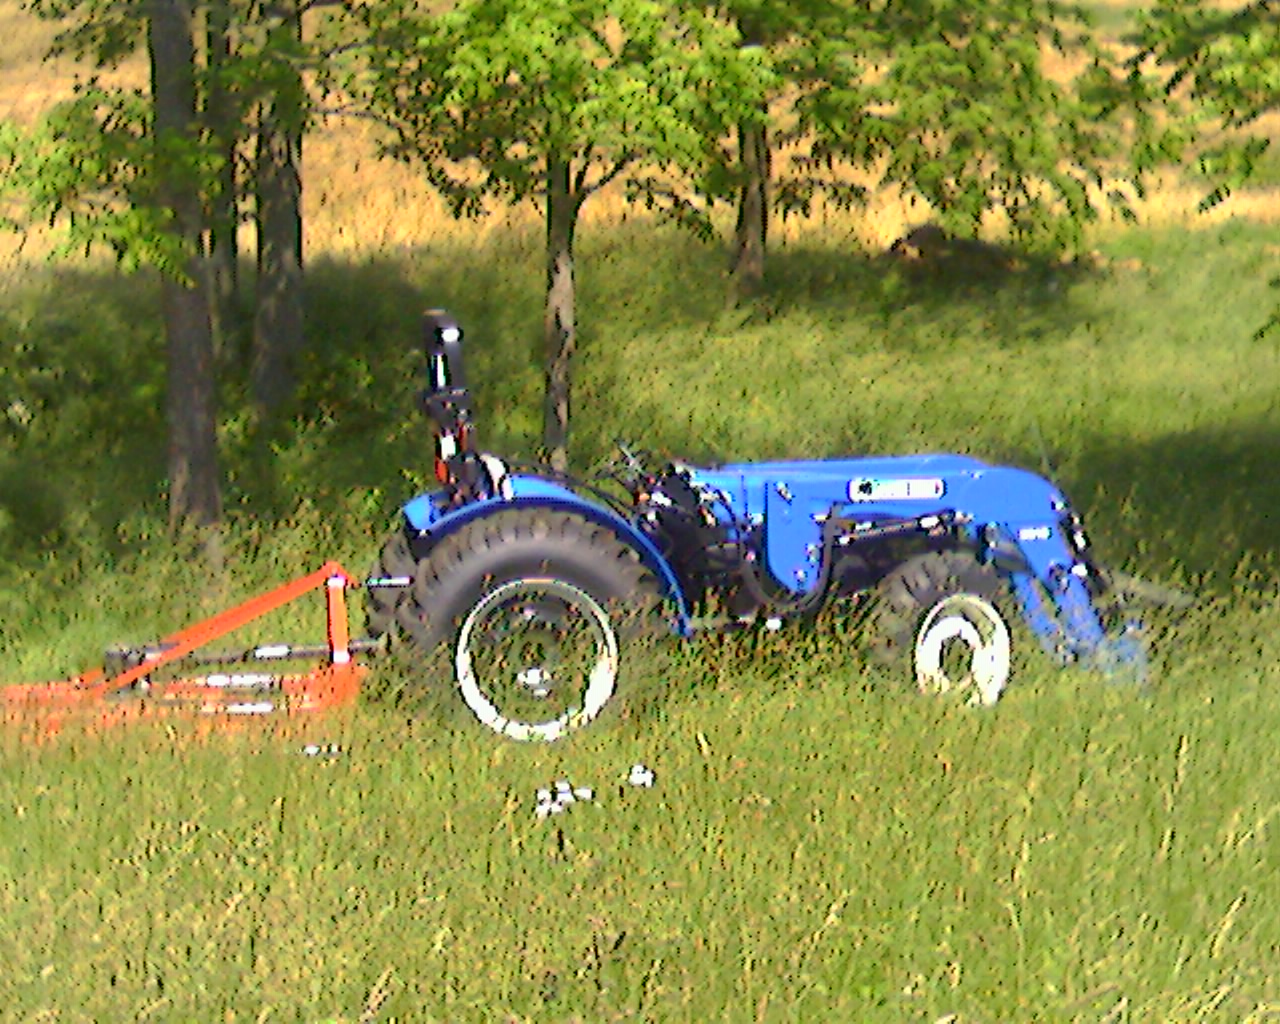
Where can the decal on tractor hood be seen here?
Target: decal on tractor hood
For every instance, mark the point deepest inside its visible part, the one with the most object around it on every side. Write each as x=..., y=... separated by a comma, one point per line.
x=896, y=489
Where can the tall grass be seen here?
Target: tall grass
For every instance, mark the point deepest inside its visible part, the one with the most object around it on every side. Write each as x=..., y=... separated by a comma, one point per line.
x=819, y=845
x=815, y=846
x=1140, y=386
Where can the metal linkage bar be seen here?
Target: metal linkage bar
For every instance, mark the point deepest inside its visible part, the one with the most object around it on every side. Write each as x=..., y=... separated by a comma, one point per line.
x=118, y=659
x=178, y=645
x=934, y=524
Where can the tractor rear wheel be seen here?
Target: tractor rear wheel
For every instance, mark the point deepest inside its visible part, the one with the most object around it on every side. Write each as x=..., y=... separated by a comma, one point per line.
x=381, y=603
x=939, y=617
x=533, y=606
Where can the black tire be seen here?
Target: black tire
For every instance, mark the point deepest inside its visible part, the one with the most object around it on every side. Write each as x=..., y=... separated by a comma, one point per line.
x=382, y=603
x=524, y=587
x=940, y=620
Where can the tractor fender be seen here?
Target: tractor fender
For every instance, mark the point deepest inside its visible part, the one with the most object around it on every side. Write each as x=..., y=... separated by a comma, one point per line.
x=431, y=519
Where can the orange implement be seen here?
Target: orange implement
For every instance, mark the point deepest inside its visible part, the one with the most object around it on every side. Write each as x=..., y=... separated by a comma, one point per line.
x=127, y=690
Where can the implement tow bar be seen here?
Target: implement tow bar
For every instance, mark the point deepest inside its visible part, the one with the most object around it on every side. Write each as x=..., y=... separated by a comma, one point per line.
x=127, y=687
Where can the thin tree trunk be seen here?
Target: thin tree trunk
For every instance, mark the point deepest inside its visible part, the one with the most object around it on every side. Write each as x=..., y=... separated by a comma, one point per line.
x=279, y=303
x=194, y=495
x=752, y=230
x=220, y=116
x=559, y=325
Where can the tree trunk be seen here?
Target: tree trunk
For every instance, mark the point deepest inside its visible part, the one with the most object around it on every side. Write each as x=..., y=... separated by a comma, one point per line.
x=223, y=248
x=194, y=496
x=559, y=326
x=752, y=230
x=279, y=307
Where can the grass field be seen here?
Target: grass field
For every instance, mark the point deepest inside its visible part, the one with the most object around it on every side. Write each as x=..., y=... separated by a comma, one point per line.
x=820, y=844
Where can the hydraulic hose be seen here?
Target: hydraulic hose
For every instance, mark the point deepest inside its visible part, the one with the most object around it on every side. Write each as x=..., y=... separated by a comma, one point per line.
x=805, y=604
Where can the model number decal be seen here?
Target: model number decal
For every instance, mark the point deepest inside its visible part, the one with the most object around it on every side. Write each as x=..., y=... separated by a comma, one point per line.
x=897, y=489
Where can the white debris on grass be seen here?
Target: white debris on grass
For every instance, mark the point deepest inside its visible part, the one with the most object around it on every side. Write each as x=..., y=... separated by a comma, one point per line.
x=563, y=794
x=641, y=776
x=560, y=796
x=323, y=750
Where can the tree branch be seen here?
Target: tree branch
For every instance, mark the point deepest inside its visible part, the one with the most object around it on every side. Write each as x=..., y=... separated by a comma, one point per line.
x=620, y=165
x=580, y=179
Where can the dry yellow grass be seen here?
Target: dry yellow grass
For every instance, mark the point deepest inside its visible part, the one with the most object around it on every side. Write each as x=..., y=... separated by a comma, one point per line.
x=356, y=204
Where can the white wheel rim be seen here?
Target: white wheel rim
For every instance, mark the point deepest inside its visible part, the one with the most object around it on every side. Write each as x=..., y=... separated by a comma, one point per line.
x=534, y=683
x=974, y=625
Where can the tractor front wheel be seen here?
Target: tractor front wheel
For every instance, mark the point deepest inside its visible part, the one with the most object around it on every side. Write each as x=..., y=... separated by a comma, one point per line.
x=938, y=616
x=534, y=607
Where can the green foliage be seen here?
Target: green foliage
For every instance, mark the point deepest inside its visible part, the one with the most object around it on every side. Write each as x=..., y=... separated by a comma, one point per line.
x=103, y=32
x=91, y=165
x=490, y=92
x=90, y=168
x=525, y=99
x=1215, y=66
x=1227, y=55
x=94, y=164
x=12, y=146
x=1211, y=69
x=952, y=102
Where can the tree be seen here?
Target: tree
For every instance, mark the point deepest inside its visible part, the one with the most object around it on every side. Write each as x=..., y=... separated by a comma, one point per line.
x=194, y=494
x=948, y=100
x=128, y=169
x=283, y=109
x=221, y=119
x=1209, y=72
x=551, y=101
x=158, y=176
x=12, y=147
x=794, y=32
x=1201, y=77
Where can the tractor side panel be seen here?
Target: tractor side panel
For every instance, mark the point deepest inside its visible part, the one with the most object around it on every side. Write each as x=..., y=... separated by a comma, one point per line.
x=792, y=536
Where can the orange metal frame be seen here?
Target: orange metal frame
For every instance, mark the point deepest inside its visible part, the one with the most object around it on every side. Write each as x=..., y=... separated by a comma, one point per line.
x=132, y=693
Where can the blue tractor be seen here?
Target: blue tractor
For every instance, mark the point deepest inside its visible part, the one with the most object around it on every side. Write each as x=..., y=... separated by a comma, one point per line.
x=533, y=583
